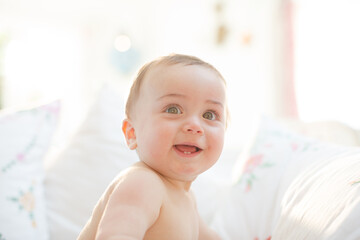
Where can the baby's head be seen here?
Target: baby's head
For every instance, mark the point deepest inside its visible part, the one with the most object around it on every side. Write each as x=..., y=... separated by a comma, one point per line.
x=168, y=60
x=176, y=116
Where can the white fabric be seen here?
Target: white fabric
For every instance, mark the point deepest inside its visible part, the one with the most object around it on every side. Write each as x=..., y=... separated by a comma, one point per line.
x=24, y=139
x=327, y=131
x=80, y=174
x=323, y=202
x=264, y=172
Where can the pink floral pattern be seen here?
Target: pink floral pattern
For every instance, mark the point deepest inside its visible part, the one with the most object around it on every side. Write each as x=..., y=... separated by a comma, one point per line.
x=25, y=137
x=26, y=202
x=262, y=154
x=50, y=112
x=19, y=157
x=253, y=163
x=266, y=170
x=355, y=182
x=303, y=146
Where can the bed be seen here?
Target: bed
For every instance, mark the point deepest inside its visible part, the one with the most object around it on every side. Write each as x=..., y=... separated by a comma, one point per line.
x=293, y=180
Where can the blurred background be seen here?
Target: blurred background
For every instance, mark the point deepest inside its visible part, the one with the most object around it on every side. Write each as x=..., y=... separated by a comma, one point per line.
x=282, y=58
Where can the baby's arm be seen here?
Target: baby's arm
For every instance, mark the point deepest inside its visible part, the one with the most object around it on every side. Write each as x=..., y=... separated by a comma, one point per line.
x=133, y=206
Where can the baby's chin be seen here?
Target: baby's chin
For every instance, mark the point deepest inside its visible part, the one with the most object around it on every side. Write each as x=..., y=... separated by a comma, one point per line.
x=182, y=178
x=188, y=176
x=182, y=175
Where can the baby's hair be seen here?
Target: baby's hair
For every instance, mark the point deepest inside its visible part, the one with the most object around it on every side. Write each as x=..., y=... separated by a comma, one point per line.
x=171, y=59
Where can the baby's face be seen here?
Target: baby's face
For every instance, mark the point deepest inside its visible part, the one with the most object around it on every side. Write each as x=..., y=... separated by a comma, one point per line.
x=179, y=120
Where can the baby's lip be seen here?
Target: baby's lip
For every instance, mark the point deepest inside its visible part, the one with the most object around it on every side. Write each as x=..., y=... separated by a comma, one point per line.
x=187, y=148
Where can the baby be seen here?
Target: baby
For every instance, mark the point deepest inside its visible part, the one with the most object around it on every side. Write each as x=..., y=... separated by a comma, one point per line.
x=176, y=119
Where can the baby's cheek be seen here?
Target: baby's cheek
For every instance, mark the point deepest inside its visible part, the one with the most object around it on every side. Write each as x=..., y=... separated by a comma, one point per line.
x=159, y=141
x=217, y=141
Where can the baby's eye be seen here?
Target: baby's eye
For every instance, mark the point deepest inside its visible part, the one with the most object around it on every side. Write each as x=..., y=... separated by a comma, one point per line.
x=209, y=115
x=173, y=110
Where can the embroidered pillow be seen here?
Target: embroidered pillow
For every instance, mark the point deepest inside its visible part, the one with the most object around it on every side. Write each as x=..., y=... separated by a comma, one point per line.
x=24, y=141
x=263, y=173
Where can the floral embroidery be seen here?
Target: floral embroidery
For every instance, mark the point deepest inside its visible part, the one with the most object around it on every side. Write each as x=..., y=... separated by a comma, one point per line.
x=49, y=113
x=303, y=147
x=26, y=201
x=19, y=157
x=354, y=182
x=253, y=163
x=294, y=146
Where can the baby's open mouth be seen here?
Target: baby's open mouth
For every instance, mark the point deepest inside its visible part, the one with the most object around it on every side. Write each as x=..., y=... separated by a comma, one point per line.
x=187, y=149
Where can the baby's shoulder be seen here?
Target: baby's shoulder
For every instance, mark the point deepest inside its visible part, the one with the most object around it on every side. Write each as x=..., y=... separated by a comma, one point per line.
x=140, y=177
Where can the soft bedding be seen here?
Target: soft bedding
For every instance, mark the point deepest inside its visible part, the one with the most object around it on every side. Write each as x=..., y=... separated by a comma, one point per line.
x=267, y=176
x=323, y=202
x=283, y=185
x=25, y=137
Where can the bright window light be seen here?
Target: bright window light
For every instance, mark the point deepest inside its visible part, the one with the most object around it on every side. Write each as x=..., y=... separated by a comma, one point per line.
x=122, y=43
x=327, y=54
x=40, y=63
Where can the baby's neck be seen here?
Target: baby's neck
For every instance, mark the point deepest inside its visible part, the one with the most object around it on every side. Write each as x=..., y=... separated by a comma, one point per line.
x=179, y=184
x=174, y=183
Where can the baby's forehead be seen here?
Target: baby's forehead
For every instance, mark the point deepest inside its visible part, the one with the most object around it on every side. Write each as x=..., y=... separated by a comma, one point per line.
x=164, y=66
x=173, y=80
x=159, y=69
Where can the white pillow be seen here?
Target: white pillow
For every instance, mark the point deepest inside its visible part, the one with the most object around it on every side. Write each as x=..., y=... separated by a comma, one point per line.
x=24, y=139
x=326, y=131
x=80, y=174
x=263, y=173
x=323, y=202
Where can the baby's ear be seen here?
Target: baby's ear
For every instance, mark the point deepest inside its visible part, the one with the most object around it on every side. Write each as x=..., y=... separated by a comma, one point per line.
x=129, y=133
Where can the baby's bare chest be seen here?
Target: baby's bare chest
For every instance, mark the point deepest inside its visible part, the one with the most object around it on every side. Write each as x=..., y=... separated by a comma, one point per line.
x=178, y=220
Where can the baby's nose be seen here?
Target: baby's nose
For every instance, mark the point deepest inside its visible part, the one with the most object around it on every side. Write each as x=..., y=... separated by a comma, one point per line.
x=194, y=127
